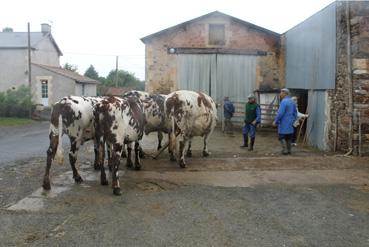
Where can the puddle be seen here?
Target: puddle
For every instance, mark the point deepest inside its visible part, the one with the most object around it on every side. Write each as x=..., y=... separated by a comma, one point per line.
x=29, y=204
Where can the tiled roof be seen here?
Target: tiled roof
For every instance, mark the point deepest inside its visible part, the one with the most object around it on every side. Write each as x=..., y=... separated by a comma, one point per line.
x=13, y=40
x=68, y=73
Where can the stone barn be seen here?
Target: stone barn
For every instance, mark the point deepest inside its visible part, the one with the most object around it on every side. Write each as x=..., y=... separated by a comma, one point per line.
x=327, y=65
x=324, y=61
x=214, y=53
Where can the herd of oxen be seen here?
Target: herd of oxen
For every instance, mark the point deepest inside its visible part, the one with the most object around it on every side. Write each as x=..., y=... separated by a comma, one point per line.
x=119, y=123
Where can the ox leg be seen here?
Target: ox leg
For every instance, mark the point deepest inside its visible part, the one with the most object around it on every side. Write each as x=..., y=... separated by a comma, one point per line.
x=172, y=147
x=96, y=151
x=50, y=156
x=129, y=152
x=141, y=153
x=108, y=152
x=182, y=145
x=115, y=161
x=205, y=151
x=137, y=156
x=189, y=151
x=160, y=139
x=103, y=180
x=73, y=158
x=124, y=154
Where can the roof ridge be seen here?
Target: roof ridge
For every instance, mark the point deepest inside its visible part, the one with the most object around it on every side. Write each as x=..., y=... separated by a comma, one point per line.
x=148, y=37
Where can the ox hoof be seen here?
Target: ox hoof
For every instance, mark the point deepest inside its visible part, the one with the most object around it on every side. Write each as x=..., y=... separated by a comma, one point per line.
x=117, y=191
x=189, y=153
x=46, y=185
x=138, y=167
x=159, y=147
x=205, y=154
x=172, y=158
x=97, y=167
x=104, y=182
x=124, y=155
x=78, y=179
x=129, y=164
x=182, y=164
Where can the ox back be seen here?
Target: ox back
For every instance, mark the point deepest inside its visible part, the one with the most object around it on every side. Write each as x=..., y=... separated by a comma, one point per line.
x=191, y=114
x=73, y=116
x=118, y=122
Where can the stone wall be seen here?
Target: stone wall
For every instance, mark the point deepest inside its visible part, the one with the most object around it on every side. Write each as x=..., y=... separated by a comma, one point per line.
x=161, y=68
x=350, y=99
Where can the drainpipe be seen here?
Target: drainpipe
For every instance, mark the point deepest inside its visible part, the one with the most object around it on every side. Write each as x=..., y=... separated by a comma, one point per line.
x=349, y=77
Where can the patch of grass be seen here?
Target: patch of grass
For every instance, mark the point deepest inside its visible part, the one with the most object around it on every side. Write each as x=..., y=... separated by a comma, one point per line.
x=13, y=121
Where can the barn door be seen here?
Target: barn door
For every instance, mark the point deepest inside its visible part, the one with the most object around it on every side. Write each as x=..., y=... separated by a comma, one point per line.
x=196, y=72
x=218, y=75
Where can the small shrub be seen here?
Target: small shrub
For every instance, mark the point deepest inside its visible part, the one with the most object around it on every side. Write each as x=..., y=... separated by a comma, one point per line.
x=16, y=103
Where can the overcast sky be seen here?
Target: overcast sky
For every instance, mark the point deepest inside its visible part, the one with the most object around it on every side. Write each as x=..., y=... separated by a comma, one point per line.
x=94, y=32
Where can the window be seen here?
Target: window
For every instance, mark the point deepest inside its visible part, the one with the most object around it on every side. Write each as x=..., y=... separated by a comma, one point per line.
x=216, y=34
x=44, y=89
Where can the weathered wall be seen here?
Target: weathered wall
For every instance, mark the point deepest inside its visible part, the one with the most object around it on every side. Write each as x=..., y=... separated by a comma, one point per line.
x=90, y=89
x=351, y=94
x=161, y=66
x=59, y=86
x=46, y=53
x=13, y=69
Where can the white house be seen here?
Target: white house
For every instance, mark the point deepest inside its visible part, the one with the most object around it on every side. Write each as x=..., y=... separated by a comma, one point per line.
x=49, y=81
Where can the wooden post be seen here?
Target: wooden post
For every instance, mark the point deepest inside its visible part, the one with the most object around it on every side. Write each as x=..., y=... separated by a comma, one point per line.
x=116, y=71
x=29, y=65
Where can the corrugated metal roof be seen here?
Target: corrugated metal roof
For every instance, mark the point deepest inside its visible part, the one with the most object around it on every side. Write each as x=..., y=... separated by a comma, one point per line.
x=68, y=73
x=211, y=14
x=13, y=40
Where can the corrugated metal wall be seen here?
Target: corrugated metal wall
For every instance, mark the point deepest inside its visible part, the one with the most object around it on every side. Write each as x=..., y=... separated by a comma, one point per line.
x=317, y=121
x=311, y=52
x=218, y=75
x=194, y=72
x=236, y=76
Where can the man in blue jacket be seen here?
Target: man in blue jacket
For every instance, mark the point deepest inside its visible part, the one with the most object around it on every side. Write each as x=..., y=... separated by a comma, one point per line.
x=286, y=116
x=252, y=119
x=228, y=114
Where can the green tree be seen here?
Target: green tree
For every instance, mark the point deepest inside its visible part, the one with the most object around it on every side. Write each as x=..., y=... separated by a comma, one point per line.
x=92, y=73
x=7, y=30
x=70, y=67
x=124, y=79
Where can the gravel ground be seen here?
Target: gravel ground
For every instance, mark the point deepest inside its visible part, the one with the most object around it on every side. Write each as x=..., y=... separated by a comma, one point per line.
x=233, y=198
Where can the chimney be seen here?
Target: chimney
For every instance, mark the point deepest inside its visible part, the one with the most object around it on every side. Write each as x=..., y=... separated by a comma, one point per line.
x=45, y=28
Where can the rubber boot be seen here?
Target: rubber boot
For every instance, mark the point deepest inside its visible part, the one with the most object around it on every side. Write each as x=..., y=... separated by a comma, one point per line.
x=284, y=146
x=252, y=141
x=245, y=141
x=288, y=145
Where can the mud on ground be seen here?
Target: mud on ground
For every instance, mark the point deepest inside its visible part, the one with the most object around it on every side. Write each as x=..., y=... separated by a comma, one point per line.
x=232, y=198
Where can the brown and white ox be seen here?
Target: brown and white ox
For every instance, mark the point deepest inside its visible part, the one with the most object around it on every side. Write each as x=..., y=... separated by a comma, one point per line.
x=154, y=113
x=117, y=122
x=72, y=116
x=191, y=114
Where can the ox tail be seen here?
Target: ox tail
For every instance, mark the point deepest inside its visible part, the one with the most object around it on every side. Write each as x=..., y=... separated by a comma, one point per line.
x=59, y=156
x=172, y=135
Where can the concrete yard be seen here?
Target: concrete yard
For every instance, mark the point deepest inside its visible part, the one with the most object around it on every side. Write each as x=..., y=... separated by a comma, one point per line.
x=232, y=198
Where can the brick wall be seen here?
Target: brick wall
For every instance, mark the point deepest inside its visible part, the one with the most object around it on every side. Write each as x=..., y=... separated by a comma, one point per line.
x=161, y=68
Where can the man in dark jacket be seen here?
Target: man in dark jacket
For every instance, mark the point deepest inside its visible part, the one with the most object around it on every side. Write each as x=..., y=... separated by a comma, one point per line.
x=228, y=114
x=252, y=118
